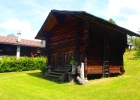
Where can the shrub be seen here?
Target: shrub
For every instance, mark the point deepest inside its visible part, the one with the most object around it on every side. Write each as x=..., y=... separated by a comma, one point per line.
x=43, y=68
x=10, y=64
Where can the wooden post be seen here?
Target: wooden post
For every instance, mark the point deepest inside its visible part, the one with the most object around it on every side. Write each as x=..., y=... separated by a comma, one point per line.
x=48, y=48
x=85, y=66
x=82, y=70
x=86, y=46
x=56, y=60
x=63, y=59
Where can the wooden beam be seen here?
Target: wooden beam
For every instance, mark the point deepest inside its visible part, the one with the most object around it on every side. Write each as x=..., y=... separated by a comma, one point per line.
x=94, y=21
x=48, y=47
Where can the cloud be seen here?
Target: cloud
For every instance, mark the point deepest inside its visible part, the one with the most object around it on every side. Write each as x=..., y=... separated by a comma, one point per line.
x=128, y=9
x=123, y=8
x=132, y=23
x=15, y=25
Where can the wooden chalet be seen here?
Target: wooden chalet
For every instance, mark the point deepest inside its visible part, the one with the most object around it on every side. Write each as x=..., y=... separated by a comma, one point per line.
x=100, y=45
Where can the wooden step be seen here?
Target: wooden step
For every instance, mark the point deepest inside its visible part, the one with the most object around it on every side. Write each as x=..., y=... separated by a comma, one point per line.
x=50, y=75
x=61, y=70
x=67, y=67
x=56, y=73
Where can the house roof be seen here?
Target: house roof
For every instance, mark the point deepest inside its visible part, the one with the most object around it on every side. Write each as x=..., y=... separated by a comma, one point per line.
x=56, y=17
x=23, y=42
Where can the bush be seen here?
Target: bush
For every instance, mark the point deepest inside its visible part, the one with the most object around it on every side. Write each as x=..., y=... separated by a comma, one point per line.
x=10, y=64
x=43, y=68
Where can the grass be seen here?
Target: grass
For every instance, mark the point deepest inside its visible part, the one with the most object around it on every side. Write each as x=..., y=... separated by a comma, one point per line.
x=30, y=85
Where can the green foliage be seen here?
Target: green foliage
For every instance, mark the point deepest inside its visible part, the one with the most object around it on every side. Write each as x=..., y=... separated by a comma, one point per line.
x=43, y=70
x=136, y=55
x=136, y=42
x=42, y=67
x=72, y=61
x=10, y=64
x=112, y=21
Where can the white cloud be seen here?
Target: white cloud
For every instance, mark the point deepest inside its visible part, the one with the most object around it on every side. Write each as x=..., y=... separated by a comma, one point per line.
x=132, y=23
x=123, y=8
x=128, y=9
x=15, y=25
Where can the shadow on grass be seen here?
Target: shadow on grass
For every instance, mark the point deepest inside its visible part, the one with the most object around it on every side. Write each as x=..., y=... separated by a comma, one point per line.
x=40, y=75
x=90, y=77
x=36, y=74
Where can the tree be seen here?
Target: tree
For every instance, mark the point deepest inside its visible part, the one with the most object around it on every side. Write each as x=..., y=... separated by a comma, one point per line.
x=136, y=42
x=112, y=21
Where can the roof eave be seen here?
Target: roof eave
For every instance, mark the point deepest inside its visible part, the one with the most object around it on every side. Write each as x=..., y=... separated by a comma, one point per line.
x=87, y=16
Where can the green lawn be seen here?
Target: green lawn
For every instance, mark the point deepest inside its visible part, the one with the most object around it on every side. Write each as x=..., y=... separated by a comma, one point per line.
x=30, y=85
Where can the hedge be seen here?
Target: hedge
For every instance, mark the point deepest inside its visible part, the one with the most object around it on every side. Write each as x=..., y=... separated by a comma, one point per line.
x=11, y=64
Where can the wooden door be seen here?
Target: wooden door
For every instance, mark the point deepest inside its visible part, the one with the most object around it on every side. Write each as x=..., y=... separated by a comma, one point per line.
x=62, y=59
x=58, y=61
x=68, y=56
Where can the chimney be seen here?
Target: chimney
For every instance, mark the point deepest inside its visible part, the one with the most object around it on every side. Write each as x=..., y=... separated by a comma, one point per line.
x=19, y=37
x=18, y=45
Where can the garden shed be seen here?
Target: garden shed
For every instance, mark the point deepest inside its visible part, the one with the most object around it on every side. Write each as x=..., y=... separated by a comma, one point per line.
x=100, y=45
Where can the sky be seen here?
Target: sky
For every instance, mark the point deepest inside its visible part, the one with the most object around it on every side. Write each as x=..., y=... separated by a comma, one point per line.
x=27, y=16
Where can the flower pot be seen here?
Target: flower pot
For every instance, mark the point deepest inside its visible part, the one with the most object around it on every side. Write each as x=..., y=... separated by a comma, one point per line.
x=73, y=68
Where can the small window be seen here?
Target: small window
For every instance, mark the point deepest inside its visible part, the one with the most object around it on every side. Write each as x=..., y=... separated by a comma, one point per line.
x=38, y=50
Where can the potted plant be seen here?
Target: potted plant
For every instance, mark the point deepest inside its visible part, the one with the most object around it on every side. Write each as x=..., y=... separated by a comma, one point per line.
x=73, y=63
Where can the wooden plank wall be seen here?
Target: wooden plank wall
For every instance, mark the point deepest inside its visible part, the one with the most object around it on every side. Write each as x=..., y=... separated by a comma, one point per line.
x=118, y=43
x=95, y=51
x=86, y=39
x=63, y=38
x=95, y=56
x=83, y=28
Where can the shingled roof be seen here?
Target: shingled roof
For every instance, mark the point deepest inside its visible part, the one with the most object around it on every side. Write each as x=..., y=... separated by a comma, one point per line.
x=56, y=17
x=23, y=42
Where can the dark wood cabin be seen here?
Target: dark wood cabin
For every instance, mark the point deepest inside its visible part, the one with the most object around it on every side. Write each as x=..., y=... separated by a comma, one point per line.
x=89, y=39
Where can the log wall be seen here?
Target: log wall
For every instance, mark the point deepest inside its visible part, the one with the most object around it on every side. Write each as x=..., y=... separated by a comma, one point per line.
x=62, y=43
x=84, y=41
x=95, y=54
